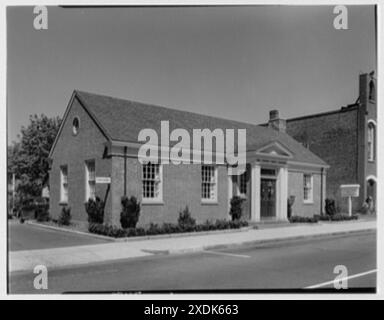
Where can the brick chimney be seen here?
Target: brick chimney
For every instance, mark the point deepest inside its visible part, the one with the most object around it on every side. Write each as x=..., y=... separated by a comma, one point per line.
x=275, y=122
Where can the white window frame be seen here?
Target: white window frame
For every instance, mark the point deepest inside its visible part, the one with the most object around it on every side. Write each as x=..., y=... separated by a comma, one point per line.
x=213, y=182
x=89, y=179
x=64, y=184
x=158, y=183
x=310, y=193
x=371, y=140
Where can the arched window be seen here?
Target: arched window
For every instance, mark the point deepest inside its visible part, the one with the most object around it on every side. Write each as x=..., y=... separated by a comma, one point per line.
x=371, y=140
x=372, y=92
x=75, y=126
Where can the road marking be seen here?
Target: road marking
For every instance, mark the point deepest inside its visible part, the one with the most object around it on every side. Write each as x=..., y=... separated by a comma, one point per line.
x=323, y=284
x=227, y=254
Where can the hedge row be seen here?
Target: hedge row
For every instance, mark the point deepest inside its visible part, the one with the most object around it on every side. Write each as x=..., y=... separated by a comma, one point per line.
x=165, y=228
x=316, y=218
x=339, y=217
x=298, y=219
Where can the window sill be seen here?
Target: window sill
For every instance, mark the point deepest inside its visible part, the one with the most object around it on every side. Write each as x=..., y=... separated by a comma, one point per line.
x=309, y=202
x=63, y=203
x=152, y=202
x=209, y=202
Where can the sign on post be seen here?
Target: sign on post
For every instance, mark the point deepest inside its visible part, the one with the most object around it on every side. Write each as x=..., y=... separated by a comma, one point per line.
x=103, y=180
x=349, y=191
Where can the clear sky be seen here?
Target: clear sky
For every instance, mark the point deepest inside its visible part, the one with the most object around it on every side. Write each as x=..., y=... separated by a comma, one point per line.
x=231, y=62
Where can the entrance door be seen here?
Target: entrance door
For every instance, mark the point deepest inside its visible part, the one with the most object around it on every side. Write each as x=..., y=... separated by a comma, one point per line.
x=371, y=192
x=268, y=198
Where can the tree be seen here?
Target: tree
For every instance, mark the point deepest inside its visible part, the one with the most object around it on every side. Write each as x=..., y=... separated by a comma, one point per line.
x=28, y=158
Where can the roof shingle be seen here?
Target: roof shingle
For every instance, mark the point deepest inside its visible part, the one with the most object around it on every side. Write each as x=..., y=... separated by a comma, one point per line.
x=124, y=119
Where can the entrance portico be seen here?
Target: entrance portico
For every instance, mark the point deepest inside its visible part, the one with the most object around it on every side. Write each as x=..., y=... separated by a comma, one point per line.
x=269, y=192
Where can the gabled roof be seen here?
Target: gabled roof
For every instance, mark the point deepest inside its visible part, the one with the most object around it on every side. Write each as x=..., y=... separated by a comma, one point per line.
x=122, y=120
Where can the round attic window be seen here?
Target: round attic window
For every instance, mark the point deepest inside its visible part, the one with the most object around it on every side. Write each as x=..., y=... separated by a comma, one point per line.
x=75, y=126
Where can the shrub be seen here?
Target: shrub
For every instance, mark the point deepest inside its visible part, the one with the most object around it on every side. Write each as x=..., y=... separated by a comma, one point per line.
x=28, y=208
x=129, y=216
x=208, y=225
x=185, y=220
x=154, y=229
x=165, y=228
x=95, y=210
x=171, y=228
x=339, y=217
x=238, y=224
x=364, y=208
x=236, y=208
x=290, y=202
x=42, y=212
x=106, y=230
x=299, y=219
x=222, y=225
x=65, y=216
x=330, y=207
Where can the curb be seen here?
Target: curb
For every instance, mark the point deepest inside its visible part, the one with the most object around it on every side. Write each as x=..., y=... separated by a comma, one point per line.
x=183, y=234
x=258, y=243
x=140, y=238
x=91, y=235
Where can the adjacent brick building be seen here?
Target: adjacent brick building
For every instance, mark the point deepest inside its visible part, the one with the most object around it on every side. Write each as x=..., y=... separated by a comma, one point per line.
x=98, y=141
x=346, y=140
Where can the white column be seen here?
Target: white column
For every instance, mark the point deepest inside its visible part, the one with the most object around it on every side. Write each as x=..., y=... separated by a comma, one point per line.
x=282, y=194
x=255, y=192
x=230, y=192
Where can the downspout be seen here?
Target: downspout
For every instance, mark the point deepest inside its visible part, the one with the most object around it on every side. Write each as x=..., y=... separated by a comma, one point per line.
x=321, y=191
x=125, y=171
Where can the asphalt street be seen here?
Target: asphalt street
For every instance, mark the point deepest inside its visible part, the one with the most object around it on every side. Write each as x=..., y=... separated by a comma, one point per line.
x=29, y=237
x=294, y=265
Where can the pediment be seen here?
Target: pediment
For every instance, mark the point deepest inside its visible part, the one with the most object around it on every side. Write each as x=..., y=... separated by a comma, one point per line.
x=275, y=149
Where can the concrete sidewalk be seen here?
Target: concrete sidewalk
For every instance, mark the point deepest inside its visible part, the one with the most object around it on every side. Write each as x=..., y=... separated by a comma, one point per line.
x=88, y=254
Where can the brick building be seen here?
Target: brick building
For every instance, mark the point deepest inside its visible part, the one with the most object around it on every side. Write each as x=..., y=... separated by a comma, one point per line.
x=98, y=138
x=346, y=140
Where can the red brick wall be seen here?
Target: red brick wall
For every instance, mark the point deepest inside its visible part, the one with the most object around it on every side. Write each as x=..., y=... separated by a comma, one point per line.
x=181, y=187
x=333, y=137
x=340, y=138
x=72, y=151
x=296, y=188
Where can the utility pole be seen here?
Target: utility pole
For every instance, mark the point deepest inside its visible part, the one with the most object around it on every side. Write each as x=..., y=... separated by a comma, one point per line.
x=13, y=191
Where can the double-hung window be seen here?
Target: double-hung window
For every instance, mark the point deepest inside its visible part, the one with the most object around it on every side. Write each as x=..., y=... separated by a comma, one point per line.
x=208, y=183
x=64, y=184
x=90, y=180
x=242, y=184
x=152, y=182
x=308, y=188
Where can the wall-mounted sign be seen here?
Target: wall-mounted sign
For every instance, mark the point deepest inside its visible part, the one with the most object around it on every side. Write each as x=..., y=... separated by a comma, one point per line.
x=103, y=179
